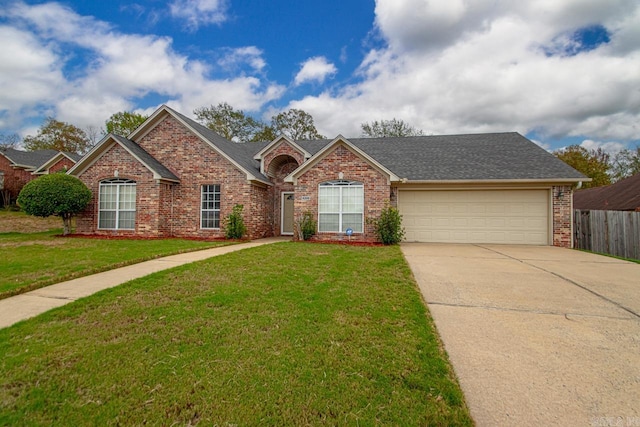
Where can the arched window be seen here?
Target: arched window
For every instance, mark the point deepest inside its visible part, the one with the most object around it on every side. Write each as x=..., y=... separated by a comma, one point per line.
x=117, y=204
x=341, y=206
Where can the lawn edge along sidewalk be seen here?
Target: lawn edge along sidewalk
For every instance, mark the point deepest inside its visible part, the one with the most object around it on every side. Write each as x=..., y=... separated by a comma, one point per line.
x=24, y=306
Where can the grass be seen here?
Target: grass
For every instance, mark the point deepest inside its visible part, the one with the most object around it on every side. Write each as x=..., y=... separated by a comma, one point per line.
x=20, y=222
x=33, y=260
x=637, y=261
x=282, y=334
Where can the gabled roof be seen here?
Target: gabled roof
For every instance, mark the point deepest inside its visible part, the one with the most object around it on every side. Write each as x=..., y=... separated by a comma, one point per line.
x=158, y=170
x=622, y=196
x=327, y=148
x=55, y=159
x=240, y=155
x=491, y=157
x=27, y=159
x=279, y=140
x=474, y=157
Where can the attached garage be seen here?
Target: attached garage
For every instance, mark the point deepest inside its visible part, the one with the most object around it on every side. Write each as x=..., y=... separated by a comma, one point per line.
x=476, y=216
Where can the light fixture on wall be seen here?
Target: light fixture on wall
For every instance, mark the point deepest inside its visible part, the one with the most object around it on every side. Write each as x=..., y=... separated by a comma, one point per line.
x=560, y=193
x=115, y=173
x=340, y=175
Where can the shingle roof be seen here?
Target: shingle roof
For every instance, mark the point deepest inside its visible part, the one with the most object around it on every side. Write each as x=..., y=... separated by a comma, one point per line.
x=491, y=156
x=31, y=159
x=146, y=158
x=73, y=156
x=622, y=196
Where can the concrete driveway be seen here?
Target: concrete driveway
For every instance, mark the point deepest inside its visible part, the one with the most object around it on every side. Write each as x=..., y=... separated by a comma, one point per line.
x=536, y=335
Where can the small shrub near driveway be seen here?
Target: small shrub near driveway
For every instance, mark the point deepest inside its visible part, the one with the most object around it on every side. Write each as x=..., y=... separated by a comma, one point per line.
x=388, y=226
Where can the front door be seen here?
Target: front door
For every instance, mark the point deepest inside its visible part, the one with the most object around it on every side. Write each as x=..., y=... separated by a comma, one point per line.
x=287, y=214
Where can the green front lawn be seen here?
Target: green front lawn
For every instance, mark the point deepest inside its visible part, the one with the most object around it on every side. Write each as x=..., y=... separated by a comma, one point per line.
x=33, y=260
x=282, y=334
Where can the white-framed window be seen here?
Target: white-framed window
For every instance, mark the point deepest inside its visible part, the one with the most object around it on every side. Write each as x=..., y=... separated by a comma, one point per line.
x=117, y=204
x=341, y=206
x=210, y=206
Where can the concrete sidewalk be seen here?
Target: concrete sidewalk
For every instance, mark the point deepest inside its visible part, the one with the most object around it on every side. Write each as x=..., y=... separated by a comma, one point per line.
x=30, y=304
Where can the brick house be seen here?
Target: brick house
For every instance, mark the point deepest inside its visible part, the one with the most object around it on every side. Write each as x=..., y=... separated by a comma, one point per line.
x=18, y=167
x=175, y=177
x=624, y=195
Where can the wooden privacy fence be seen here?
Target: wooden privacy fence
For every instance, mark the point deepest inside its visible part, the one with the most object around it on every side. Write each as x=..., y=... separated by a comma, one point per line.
x=610, y=232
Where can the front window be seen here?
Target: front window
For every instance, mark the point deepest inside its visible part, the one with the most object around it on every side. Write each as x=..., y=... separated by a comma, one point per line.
x=117, y=205
x=210, y=206
x=340, y=206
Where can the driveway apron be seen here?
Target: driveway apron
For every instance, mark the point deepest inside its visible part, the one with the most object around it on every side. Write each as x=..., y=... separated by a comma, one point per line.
x=536, y=335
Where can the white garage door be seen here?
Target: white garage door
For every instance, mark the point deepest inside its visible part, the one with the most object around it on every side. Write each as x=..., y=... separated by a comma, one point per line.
x=476, y=216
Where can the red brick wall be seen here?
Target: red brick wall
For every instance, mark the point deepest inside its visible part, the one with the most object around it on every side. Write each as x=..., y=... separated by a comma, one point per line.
x=174, y=209
x=14, y=179
x=117, y=158
x=196, y=163
x=562, y=215
x=63, y=164
x=284, y=150
x=341, y=159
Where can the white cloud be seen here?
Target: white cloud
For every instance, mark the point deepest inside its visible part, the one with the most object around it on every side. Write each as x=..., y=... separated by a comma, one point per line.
x=479, y=66
x=29, y=71
x=111, y=72
x=251, y=55
x=315, y=69
x=610, y=147
x=199, y=12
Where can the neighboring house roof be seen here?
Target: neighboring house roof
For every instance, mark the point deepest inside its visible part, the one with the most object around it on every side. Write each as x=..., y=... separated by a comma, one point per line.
x=55, y=159
x=622, y=196
x=158, y=170
x=27, y=159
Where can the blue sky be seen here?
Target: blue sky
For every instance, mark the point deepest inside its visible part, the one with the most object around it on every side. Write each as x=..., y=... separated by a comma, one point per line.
x=562, y=72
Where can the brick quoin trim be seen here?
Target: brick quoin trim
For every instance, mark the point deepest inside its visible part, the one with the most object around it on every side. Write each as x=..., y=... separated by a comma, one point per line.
x=341, y=159
x=562, y=215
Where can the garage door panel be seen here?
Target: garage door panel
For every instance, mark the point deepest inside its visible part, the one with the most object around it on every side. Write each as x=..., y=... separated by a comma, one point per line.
x=476, y=216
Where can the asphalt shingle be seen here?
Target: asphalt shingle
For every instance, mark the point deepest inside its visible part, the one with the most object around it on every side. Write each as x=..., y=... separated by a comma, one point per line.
x=146, y=158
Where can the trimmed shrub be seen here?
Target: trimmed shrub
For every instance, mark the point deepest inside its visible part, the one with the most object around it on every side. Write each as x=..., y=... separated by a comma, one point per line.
x=55, y=194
